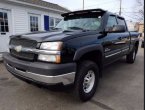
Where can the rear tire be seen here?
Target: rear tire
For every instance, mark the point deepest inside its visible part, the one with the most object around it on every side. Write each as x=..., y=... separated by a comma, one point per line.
x=130, y=58
x=142, y=45
x=87, y=79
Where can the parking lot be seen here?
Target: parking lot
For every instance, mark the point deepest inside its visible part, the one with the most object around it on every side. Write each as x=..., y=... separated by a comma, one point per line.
x=121, y=88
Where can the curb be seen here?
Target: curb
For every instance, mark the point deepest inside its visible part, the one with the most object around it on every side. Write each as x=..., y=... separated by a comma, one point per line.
x=1, y=59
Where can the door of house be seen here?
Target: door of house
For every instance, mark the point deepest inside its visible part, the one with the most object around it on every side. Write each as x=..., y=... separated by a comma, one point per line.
x=5, y=30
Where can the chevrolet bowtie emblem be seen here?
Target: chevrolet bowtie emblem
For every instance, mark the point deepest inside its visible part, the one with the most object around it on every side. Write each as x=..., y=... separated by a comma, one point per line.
x=18, y=48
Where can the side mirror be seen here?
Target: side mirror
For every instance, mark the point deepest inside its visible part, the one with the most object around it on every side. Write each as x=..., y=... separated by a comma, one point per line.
x=116, y=28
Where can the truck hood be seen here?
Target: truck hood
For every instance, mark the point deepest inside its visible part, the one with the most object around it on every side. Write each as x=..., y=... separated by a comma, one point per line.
x=55, y=35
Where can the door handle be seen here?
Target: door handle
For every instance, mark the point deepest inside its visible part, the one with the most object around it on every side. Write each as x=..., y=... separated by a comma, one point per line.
x=124, y=37
x=120, y=38
x=127, y=37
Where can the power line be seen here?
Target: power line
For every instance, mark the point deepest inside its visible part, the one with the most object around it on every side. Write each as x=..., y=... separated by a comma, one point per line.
x=131, y=17
x=130, y=12
x=126, y=12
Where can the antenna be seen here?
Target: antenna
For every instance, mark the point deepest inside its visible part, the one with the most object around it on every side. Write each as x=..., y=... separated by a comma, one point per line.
x=120, y=7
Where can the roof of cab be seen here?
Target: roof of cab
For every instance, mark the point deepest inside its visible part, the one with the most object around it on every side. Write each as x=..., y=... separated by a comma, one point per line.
x=90, y=11
x=84, y=12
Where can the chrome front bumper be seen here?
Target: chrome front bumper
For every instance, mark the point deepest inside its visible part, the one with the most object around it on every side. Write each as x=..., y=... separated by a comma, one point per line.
x=65, y=79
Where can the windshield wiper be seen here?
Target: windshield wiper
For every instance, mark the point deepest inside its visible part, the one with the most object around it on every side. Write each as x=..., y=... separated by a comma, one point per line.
x=56, y=28
x=77, y=28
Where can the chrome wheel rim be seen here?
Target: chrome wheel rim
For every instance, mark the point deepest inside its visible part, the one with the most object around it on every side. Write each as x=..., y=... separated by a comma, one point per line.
x=89, y=81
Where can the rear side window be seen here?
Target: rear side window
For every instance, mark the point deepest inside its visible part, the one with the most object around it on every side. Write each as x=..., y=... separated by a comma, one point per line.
x=121, y=21
x=111, y=21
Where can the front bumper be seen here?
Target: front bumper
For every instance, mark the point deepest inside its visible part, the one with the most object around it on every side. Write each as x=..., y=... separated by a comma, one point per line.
x=47, y=73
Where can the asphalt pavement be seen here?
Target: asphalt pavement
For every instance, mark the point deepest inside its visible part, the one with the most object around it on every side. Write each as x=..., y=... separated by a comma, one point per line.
x=121, y=88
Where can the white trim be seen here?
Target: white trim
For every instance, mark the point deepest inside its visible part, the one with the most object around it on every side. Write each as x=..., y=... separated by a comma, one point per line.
x=116, y=53
x=125, y=49
x=12, y=21
x=34, y=14
x=5, y=10
x=112, y=54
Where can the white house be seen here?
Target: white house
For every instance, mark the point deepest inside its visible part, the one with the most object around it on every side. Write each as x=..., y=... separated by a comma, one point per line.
x=22, y=16
x=131, y=25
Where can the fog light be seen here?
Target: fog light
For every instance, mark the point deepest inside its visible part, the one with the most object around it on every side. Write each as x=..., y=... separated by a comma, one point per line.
x=50, y=58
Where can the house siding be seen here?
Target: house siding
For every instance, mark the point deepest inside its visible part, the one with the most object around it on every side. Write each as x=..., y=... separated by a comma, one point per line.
x=19, y=20
x=20, y=17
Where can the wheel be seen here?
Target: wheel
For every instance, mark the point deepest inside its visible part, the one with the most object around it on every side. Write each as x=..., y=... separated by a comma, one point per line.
x=130, y=58
x=87, y=79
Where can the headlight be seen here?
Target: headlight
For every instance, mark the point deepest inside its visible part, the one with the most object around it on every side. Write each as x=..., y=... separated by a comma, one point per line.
x=50, y=58
x=51, y=45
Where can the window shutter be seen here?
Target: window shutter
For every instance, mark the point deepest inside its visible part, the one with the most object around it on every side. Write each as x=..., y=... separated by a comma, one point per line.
x=46, y=22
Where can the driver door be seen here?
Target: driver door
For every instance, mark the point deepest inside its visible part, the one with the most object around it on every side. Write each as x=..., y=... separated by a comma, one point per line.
x=112, y=45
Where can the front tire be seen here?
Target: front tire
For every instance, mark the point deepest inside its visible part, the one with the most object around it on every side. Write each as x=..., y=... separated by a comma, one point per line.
x=87, y=80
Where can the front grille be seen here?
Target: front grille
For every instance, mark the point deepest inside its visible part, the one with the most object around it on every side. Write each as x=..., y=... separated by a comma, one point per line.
x=22, y=55
x=24, y=43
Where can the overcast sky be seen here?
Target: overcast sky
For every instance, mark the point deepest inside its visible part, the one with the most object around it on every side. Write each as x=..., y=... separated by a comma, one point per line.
x=128, y=6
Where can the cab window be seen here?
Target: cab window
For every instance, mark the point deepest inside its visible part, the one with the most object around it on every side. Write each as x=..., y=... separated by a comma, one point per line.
x=121, y=21
x=111, y=21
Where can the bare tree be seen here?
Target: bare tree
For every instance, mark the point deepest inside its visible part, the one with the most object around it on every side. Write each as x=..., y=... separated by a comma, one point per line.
x=140, y=9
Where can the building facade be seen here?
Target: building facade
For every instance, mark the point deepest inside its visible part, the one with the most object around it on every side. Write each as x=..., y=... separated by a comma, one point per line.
x=141, y=28
x=23, y=16
x=131, y=25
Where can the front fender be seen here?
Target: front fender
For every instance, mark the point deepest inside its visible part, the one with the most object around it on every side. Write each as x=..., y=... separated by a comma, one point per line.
x=89, y=48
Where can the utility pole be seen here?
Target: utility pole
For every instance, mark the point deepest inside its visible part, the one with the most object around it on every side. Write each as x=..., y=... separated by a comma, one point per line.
x=120, y=7
x=83, y=4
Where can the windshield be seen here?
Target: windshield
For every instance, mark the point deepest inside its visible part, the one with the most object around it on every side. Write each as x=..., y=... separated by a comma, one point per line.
x=80, y=24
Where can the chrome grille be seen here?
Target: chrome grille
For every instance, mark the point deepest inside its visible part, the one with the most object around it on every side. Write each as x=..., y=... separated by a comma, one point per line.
x=24, y=43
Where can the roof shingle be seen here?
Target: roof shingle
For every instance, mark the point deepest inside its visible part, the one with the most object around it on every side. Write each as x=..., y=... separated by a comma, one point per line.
x=45, y=4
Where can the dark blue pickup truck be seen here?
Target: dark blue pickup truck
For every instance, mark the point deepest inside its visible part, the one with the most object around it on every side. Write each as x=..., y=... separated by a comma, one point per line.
x=74, y=52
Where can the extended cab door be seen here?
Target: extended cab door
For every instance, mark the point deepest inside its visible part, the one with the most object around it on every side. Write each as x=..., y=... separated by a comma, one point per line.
x=112, y=42
x=125, y=37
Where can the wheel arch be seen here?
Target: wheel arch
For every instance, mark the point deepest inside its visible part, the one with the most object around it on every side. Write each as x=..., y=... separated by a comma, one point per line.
x=93, y=53
x=136, y=45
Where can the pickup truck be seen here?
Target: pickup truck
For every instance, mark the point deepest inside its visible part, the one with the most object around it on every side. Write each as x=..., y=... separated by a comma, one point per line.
x=73, y=53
